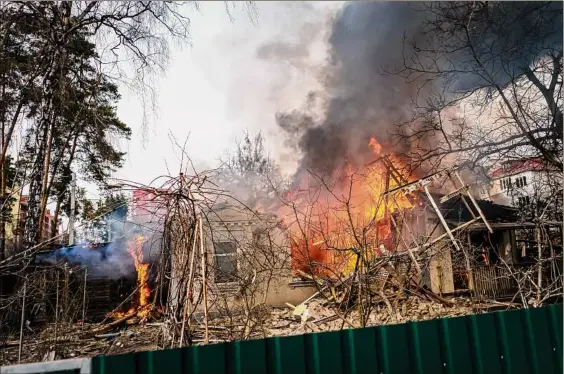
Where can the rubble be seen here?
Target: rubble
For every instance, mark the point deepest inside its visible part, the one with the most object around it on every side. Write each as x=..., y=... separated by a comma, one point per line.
x=315, y=316
x=323, y=317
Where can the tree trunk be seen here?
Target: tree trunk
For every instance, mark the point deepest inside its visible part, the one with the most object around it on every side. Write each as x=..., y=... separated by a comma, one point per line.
x=5, y=212
x=44, y=180
x=3, y=253
x=56, y=218
x=33, y=203
x=59, y=87
x=60, y=197
x=57, y=162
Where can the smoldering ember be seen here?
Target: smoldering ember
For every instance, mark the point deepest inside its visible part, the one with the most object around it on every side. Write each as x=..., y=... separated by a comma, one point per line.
x=413, y=173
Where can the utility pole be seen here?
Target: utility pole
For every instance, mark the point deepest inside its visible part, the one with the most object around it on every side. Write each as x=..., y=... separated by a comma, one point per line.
x=72, y=208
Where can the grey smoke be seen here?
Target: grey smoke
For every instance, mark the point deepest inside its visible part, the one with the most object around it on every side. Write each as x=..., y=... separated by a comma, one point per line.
x=110, y=260
x=362, y=100
x=521, y=31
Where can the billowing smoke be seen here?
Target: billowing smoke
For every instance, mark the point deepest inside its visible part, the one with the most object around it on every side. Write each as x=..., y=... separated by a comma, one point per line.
x=111, y=258
x=109, y=261
x=361, y=99
x=509, y=37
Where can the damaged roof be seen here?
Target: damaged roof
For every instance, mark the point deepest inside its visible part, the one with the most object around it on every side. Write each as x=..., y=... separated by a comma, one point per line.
x=454, y=210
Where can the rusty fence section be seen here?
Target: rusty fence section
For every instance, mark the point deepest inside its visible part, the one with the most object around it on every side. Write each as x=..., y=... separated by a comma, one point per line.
x=494, y=282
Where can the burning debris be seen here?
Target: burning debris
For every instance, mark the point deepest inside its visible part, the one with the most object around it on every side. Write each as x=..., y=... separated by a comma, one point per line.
x=334, y=219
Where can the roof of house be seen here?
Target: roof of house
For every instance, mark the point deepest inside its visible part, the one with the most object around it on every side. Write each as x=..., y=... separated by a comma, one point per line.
x=511, y=167
x=454, y=210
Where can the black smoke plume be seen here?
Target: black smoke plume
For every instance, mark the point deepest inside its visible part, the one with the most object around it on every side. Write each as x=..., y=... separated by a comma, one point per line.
x=361, y=99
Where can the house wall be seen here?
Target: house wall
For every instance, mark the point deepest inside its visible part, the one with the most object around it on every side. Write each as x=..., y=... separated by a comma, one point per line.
x=538, y=182
x=263, y=257
x=262, y=260
x=422, y=225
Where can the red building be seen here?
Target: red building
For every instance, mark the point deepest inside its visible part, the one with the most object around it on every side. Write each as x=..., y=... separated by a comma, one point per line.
x=149, y=205
x=49, y=224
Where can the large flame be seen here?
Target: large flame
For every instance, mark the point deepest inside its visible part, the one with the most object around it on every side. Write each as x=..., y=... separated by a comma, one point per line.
x=135, y=249
x=330, y=221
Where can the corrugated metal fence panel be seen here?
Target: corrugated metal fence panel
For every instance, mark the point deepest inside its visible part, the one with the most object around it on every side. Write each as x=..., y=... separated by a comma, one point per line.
x=522, y=341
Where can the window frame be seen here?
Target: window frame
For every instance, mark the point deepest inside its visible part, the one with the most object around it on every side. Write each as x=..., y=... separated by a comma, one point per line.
x=215, y=254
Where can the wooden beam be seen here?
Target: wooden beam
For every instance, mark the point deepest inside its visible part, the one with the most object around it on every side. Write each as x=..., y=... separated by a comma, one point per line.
x=462, y=195
x=441, y=218
x=204, y=282
x=454, y=193
x=476, y=205
x=441, y=237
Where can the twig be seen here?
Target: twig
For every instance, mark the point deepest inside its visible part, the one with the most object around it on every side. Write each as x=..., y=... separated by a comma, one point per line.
x=56, y=310
x=84, y=299
x=22, y=321
x=204, y=281
x=433, y=295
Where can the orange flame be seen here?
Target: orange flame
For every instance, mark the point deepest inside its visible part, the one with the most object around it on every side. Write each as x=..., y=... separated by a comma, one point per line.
x=135, y=249
x=351, y=212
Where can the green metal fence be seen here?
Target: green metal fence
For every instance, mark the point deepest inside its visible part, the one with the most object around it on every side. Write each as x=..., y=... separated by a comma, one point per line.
x=522, y=341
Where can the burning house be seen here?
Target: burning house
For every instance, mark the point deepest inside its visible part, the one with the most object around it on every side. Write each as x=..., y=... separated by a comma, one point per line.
x=428, y=227
x=432, y=229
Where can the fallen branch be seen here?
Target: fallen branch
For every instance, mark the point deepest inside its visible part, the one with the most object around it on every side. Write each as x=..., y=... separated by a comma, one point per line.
x=433, y=295
x=109, y=326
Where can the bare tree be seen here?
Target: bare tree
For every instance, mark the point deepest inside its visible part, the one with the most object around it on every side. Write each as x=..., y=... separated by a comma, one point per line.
x=250, y=173
x=492, y=77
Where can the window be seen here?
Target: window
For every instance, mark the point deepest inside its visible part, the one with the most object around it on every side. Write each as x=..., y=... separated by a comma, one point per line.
x=225, y=261
x=521, y=182
x=524, y=200
x=506, y=184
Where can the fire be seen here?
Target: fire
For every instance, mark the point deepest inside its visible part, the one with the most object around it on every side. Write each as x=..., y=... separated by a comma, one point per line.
x=135, y=249
x=331, y=221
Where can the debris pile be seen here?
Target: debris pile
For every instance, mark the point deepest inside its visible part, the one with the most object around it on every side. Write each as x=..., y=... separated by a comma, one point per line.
x=319, y=316
x=74, y=340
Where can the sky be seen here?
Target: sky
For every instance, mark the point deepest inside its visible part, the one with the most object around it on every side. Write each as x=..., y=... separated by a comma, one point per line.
x=230, y=79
